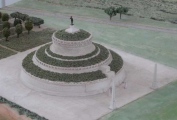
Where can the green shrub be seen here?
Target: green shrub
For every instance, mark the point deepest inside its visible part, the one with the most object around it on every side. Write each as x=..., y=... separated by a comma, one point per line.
x=5, y=17
x=36, y=21
x=53, y=76
x=72, y=57
x=18, y=29
x=19, y=16
x=28, y=25
x=117, y=62
x=14, y=15
x=82, y=35
x=0, y=15
x=6, y=24
x=103, y=55
x=6, y=33
x=17, y=21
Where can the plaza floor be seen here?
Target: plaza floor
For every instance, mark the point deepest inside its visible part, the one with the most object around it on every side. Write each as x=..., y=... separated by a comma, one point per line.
x=139, y=77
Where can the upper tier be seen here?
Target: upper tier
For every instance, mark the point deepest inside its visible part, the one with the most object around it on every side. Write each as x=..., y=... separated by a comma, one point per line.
x=72, y=42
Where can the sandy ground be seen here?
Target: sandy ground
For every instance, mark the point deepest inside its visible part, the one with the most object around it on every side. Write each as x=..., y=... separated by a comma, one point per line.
x=139, y=77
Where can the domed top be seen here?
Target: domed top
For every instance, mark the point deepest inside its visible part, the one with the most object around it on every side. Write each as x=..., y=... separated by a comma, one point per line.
x=72, y=34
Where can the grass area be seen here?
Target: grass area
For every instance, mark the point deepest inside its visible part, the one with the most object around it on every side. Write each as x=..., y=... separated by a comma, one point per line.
x=5, y=53
x=156, y=8
x=25, y=41
x=159, y=105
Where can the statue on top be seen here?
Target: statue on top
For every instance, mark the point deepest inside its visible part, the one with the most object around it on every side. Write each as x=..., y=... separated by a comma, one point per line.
x=71, y=18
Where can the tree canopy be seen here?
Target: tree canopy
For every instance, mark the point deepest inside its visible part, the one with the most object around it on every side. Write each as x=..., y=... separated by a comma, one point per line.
x=111, y=11
x=121, y=10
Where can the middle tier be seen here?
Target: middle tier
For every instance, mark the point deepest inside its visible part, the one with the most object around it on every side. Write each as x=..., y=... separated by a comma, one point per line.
x=47, y=60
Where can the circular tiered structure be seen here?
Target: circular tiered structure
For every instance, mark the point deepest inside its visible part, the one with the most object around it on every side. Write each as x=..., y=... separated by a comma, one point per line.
x=72, y=65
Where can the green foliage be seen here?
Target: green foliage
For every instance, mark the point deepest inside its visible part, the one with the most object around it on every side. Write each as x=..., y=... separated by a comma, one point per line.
x=28, y=25
x=17, y=21
x=117, y=62
x=53, y=76
x=25, y=42
x=5, y=53
x=5, y=17
x=6, y=33
x=122, y=10
x=110, y=11
x=36, y=21
x=18, y=29
x=6, y=24
x=103, y=55
x=14, y=15
x=72, y=57
x=0, y=15
x=81, y=35
x=19, y=16
x=21, y=110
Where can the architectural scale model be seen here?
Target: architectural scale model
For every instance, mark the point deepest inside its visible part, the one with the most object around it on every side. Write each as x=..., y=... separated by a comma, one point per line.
x=72, y=65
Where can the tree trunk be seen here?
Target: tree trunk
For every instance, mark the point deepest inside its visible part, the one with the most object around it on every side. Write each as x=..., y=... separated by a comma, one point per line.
x=28, y=32
x=39, y=26
x=110, y=17
x=6, y=39
x=17, y=35
x=120, y=15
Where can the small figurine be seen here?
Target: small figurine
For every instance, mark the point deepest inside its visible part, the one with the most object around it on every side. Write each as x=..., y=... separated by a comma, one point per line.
x=71, y=20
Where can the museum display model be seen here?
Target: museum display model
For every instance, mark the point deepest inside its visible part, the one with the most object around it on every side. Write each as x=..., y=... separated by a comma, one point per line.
x=72, y=65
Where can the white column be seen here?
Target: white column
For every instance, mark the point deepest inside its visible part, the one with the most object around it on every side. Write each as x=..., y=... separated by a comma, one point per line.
x=2, y=3
x=113, y=93
x=154, y=83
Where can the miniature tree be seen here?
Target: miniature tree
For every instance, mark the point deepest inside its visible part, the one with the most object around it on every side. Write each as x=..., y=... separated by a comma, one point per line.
x=6, y=24
x=14, y=15
x=5, y=17
x=110, y=11
x=6, y=33
x=17, y=21
x=122, y=10
x=18, y=29
x=28, y=25
x=0, y=15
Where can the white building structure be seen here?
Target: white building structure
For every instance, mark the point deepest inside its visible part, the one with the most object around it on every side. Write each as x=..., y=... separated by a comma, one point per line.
x=4, y=3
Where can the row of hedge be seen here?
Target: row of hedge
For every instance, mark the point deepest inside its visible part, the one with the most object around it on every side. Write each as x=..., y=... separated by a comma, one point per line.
x=21, y=110
x=28, y=65
x=103, y=55
x=117, y=62
x=35, y=20
x=81, y=35
x=72, y=57
x=44, y=74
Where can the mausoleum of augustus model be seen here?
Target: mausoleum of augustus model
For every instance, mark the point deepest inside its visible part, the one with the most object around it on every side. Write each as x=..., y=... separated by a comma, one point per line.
x=72, y=65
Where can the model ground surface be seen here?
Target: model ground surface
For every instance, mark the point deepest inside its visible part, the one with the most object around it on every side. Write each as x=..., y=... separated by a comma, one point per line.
x=139, y=80
x=140, y=36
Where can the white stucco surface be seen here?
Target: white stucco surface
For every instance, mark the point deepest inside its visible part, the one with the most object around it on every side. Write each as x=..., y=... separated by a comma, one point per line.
x=139, y=79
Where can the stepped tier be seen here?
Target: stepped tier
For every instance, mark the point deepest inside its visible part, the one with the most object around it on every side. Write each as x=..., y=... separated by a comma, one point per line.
x=72, y=45
x=72, y=65
x=63, y=84
x=47, y=60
